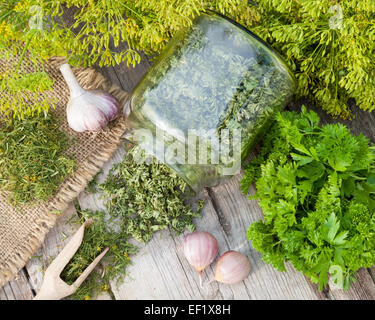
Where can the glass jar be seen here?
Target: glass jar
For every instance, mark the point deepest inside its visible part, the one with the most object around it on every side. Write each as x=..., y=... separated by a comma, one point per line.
x=208, y=99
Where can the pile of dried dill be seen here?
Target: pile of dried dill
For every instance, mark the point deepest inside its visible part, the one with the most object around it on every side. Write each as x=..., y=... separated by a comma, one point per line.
x=142, y=198
x=32, y=158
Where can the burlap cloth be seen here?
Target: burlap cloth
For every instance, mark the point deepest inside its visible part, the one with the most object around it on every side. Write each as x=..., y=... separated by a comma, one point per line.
x=22, y=229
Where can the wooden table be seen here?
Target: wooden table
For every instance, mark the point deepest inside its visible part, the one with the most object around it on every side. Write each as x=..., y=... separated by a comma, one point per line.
x=160, y=271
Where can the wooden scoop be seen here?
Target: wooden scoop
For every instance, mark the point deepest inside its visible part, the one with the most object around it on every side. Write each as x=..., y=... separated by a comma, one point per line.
x=53, y=287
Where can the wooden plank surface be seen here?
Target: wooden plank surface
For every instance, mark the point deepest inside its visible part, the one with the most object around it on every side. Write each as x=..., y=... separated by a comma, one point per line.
x=235, y=214
x=160, y=270
x=18, y=289
x=227, y=215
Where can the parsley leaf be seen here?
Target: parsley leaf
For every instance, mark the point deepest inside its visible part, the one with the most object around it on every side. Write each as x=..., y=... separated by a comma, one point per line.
x=316, y=187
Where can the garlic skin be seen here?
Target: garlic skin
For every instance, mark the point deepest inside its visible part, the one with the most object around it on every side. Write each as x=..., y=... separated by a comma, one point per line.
x=200, y=249
x=88, y=110
x=232, y=267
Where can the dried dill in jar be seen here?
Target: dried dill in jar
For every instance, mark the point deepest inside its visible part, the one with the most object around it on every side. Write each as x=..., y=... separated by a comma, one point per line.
x=215, y=83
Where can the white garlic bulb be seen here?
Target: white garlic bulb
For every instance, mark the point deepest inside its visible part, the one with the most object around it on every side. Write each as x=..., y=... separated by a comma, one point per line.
x=232, y=267
x=88, y=110
x=200, y=249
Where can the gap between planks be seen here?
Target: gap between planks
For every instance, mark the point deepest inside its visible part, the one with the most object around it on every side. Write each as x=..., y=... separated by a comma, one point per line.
x=18, y=289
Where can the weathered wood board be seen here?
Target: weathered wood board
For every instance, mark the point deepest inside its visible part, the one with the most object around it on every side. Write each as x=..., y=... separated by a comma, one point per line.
x=160, y=271
x=18, y=289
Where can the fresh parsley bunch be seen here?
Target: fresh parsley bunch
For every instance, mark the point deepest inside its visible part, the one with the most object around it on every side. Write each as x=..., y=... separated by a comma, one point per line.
x=316, y=186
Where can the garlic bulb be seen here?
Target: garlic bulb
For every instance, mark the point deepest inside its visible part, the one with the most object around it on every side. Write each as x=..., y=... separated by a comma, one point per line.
x=88, y=110
x=231, y=267
x=200, y=249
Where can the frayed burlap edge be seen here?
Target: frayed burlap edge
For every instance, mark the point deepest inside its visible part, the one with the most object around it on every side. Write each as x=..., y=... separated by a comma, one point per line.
x=74, y=185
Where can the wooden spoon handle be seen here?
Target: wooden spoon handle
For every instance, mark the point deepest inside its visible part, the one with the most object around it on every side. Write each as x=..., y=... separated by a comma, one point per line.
x=63, y=258
x=88, y=270
x=53, y=286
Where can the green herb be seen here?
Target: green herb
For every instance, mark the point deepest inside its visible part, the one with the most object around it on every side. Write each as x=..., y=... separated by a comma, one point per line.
x=98, y=236
x=32, y=158
x=147, y=197
x=330, y=47
x=213, y=76
x=24, y=93
x=100, y=26
x=316, y=187
x=331, y=57
x=142, y=198
x=93, y=184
